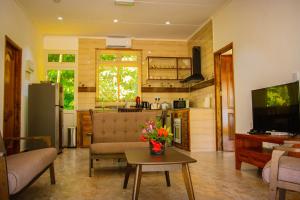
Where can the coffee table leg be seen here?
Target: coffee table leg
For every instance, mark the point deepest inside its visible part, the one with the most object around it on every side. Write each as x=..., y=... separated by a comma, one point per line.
x=168, y=178
x=127, y=174
x=188, y=181
x=137, y=182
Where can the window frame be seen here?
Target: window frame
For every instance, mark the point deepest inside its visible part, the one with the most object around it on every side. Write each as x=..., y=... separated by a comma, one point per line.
x=64, y=66
x=118, y=64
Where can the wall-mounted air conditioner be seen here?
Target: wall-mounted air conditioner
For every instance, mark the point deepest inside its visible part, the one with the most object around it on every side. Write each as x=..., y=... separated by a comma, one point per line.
x=118, y=42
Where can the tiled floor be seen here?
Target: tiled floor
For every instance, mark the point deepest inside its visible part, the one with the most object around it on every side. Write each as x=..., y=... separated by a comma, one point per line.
x=214, y=178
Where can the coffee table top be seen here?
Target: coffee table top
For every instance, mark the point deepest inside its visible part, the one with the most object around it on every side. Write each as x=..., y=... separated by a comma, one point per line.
x=142, y=156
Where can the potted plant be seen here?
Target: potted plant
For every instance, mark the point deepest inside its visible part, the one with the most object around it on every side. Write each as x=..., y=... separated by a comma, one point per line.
x=157, y=135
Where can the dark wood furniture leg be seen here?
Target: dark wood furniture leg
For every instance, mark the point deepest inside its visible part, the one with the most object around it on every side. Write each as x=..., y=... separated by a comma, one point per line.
x=52, y=174
x=168, y=178
x=137, y=182
x=188, y=181
x=90, y=166
x=127, y=174
x=282, y=194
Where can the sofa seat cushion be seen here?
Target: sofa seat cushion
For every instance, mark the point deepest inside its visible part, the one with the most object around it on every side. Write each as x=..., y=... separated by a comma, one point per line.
x=289, y=170
x=24, y=167
x=116, y=147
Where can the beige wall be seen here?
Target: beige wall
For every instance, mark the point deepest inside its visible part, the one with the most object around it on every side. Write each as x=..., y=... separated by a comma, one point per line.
x=16, y=24
x=86, y=66
x=266, y=46
x=204, y=39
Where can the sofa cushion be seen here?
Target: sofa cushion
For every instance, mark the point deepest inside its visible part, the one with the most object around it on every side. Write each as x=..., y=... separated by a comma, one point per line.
x=289, y=170
x=23, y=167
x=115, y=147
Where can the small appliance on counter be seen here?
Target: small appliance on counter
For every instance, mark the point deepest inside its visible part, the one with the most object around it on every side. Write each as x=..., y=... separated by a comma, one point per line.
x=156, y=104
x=181, y=103
x=145, y=105
x=165, y=106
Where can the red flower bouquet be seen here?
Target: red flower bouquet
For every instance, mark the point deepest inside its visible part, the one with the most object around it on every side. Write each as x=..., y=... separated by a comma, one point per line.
x=157, y=136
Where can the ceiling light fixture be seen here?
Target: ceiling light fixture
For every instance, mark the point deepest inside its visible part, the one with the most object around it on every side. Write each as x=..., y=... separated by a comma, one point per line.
x=124, y=2
x=167, y=22
x=116, y=21
x=60, y=18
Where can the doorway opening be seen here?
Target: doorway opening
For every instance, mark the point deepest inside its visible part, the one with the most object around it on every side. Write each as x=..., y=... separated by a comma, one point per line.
x=12, y=94
x=225, y=99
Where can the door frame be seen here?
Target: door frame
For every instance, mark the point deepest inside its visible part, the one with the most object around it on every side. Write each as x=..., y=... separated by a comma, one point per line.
x=18, y=84
x=218, y=95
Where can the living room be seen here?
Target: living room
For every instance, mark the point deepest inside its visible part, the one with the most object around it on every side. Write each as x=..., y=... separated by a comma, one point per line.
x=159, y=43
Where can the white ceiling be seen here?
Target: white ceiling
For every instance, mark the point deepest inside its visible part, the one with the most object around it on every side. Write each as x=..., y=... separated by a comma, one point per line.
x=146, y=19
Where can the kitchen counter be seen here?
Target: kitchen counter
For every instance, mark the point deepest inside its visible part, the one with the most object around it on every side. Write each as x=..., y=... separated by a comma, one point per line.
x=202, y=129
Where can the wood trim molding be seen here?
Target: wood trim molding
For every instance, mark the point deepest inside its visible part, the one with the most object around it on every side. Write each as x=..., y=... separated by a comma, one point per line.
x=164, y=89
x=218, y=97
x=86, y=89
x=198, y=86
x=203, y=84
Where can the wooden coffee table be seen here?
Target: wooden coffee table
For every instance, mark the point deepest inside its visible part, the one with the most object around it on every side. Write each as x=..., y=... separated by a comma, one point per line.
x=145, y=162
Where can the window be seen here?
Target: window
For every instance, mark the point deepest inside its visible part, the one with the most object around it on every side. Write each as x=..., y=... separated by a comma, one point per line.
x=66, y=79
x=70, y=58
x=117, y=76
x=60, y=68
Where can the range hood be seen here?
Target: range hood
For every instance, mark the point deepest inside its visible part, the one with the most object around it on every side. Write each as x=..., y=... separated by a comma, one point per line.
x=196, y=72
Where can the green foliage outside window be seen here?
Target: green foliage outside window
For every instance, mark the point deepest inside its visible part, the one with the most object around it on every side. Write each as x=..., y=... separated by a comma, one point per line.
x=128, y=83
x=61, y=58
x=68, y=58
x=131, y=58
x=66, y=79
x=117, y=79
x=108, y=84
x=108, y=57
x=53, y=57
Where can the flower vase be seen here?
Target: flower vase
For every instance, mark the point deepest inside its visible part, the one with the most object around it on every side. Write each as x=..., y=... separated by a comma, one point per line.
x=157, y=148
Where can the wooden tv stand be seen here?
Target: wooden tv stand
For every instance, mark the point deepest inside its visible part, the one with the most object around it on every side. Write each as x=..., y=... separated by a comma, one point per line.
x=249, y=148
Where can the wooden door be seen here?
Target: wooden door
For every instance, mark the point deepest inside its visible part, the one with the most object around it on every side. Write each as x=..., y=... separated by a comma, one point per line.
x=227, y=99
x=12, y=95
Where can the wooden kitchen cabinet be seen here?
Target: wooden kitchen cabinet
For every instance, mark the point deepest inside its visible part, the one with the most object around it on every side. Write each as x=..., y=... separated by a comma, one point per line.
x=84, y=128
x=169, y=68
x=184, y=115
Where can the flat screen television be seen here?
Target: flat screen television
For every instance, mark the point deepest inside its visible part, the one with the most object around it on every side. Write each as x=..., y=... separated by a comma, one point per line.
x=277, y=108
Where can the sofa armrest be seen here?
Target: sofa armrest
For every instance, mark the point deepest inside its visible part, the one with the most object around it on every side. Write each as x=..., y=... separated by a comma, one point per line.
x=287, y=148
x=46, y=139
x=276, y=155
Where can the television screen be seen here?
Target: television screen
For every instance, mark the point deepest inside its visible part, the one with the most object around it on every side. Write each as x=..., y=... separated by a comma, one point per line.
x=276, y=108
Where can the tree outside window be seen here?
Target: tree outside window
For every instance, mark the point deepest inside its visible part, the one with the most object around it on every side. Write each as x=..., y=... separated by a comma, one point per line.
x=66, y=79
x=117, y=76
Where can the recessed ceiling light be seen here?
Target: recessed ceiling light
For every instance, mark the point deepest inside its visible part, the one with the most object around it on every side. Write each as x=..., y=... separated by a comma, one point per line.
x=60, y=18
x=124, y=2
x=167, y=22
x=116, y=21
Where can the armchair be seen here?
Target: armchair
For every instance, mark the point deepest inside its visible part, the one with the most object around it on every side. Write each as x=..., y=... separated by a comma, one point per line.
x=283, y=171
x=19, y=171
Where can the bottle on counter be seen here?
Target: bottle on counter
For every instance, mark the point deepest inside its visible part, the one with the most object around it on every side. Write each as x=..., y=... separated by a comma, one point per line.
x=137, y=102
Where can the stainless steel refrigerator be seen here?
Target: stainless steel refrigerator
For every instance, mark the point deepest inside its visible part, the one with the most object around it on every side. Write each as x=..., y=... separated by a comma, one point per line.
x=45, y=113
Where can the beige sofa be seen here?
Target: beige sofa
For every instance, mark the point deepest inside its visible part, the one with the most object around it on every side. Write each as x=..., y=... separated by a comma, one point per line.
x=115, y=132
x=20, y=170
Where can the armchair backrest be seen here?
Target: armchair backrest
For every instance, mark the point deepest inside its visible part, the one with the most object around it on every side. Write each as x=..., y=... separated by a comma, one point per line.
x=120, y=126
